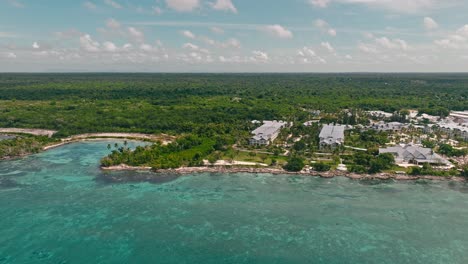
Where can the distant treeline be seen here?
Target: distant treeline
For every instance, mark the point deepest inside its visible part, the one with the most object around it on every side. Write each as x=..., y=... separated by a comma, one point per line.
x=211, y=103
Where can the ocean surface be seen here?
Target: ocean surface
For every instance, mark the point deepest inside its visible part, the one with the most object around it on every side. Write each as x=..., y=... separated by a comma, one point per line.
x=58, y=207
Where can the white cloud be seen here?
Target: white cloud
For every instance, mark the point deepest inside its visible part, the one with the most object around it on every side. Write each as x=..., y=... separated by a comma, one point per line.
x=367, y=48
x=89, y=5
x=190, y=46
x=147, y=48
x=136, y=35
x=224, y=5
x=308, y=55
x=323, y=26
x=456, y=40
x=16, y=3
x=328, y=47
x=88, y=44
x=8, y=55
x=278, y=31
x=401, y=6
x=188, y=34
x=319, y=3
x=259, y=56
x=397, y=44
x=183, y=5
x=35, y=45
x=112, y=23
x=231, y=43
x=157, y=10
x=113, y=4
x=430, y=23
x=332, y=32
x=217, y=30
x=109, y=47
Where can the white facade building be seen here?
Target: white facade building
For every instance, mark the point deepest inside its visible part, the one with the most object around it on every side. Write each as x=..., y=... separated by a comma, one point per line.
x=414, y=155
x=332, y=136
x=267, y=133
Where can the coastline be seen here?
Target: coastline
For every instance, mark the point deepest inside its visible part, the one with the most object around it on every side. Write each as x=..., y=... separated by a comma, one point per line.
x=230, y=169
x=165, y=139
x=330, y=174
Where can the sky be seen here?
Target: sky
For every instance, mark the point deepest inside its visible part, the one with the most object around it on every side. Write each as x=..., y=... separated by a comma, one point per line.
x=233, y=36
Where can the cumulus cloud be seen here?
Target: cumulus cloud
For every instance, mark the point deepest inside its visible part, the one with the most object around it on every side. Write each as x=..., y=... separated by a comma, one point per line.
x=401, y=6
x=384, y=46
x=231, y=43
x=188, y=34
x=136, y=35
x=430, y=24
x=8, y=55
x=183, y=5
x=217, y=30
x=278, y=31
x=328, y=47
x=395, y=44
x=224, y=5
x=16, y=3
x=112, y=23
x=109, y=47
x=308, y=55
x=259, y=56
x=319, y=3
x=157, y=10
x=324, y=27
x=88, y=44
x=455, y=40
x=89, y=5
x=113, y=4
x=190, y=46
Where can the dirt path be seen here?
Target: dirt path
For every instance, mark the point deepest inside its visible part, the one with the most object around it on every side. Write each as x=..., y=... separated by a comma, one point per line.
x=35, y=132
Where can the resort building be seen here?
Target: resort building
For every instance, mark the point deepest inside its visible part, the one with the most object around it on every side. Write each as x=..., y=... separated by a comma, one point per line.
x=388, y=127
x=332, y=136
x=380, y=114
x=454, y=130
x=410, y=154
x=459, y=116
x=267, y=133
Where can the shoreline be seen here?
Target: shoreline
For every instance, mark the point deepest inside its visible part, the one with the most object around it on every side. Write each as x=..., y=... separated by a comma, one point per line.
x=330, y=174
x=165, y=139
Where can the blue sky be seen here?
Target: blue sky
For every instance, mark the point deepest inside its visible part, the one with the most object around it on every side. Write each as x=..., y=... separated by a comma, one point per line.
x=234, y=35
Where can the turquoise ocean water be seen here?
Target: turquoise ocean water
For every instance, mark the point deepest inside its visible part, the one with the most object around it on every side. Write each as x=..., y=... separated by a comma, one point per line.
x=58, y=207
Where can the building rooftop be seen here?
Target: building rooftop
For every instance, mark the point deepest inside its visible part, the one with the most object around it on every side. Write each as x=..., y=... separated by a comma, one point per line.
x=332, y=133
x=419, y=154
x=267, y=130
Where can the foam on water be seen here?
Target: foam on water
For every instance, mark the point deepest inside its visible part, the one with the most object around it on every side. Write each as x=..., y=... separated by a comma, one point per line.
x=60, y=211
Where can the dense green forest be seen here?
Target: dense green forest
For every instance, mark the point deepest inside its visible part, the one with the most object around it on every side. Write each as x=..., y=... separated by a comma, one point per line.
x=22, y=145
x=208, y=104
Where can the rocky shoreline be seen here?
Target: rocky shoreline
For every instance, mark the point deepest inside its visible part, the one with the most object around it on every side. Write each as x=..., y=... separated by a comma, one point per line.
x=330, y=174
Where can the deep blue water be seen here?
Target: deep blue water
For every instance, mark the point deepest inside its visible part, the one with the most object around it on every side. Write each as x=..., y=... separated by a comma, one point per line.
x=58, y=207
